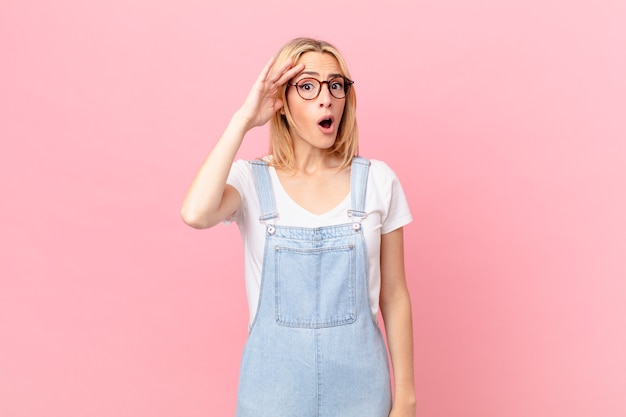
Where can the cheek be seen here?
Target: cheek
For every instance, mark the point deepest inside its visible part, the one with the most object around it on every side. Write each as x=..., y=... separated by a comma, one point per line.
x=300, y=110
x=295, y=107
x=341, y=110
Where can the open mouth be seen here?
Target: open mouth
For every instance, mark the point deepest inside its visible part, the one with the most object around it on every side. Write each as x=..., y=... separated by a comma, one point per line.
x=326, y=123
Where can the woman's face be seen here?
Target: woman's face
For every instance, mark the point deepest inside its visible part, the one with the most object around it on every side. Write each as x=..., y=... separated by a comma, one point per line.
x=316, y=120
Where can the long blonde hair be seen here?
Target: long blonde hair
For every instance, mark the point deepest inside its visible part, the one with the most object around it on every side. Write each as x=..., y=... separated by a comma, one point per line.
x=281, y=143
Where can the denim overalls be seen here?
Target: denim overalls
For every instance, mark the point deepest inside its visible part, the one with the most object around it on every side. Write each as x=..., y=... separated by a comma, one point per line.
x=314, y=349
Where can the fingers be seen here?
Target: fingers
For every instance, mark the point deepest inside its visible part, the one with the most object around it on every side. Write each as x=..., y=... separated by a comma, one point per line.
x=266, y=70
x=286, y=76
x=284, y=72
x=278, y=72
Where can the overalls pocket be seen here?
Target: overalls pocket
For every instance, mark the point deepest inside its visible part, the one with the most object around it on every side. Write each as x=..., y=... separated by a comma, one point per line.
x=315, y=287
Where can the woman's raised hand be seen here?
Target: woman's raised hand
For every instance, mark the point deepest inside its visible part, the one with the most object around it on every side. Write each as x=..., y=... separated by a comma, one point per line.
x=209, y=199
x=262, y=101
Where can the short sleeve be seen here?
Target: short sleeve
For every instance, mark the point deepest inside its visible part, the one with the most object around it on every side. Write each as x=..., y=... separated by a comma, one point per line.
x=397, y=213
x=239, y=178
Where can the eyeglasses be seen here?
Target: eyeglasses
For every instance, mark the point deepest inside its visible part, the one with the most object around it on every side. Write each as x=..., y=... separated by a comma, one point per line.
x=309, y=88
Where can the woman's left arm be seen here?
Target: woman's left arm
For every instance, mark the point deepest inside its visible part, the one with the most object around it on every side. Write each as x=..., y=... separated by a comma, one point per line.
x=395, y=305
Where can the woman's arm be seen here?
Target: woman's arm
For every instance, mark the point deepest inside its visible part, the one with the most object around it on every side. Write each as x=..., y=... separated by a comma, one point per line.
x=209, y=199
x=395, y=305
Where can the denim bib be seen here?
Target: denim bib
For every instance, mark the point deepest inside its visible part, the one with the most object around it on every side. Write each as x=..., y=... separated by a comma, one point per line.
x=314, y=349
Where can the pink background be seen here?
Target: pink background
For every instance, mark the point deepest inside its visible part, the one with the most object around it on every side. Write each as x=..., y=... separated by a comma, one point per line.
x=505, y=121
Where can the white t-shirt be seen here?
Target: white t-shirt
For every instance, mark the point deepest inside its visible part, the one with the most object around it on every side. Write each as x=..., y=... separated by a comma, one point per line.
x=385, y=204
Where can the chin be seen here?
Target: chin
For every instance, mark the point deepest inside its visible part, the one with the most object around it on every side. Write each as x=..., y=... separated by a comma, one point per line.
x=318, y=140
x=327, y=144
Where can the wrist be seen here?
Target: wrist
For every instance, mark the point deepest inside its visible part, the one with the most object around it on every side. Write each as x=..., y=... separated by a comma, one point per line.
x=405, y=401
x=404, y=394
x=241, y=121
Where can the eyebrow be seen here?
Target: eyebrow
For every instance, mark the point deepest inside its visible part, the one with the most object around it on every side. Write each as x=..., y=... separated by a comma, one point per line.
x=333, y=75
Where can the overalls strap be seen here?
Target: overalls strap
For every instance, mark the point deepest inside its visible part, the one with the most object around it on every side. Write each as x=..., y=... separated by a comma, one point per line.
x=264, y=190
x=358, y=187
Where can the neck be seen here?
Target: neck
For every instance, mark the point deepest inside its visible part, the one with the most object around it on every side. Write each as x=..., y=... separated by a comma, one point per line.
x=311, y=159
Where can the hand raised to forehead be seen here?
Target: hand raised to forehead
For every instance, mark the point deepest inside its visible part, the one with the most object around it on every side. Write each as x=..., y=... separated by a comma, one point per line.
x=262, y=101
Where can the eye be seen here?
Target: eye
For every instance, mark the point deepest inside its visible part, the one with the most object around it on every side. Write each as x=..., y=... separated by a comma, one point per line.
x=336, y=84
x=307, y=85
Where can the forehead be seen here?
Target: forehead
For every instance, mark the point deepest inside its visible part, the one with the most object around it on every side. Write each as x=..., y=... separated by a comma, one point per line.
x=320, y=63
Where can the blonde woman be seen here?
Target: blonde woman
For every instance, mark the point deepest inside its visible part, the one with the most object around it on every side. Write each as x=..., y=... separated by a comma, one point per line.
x=323, y=239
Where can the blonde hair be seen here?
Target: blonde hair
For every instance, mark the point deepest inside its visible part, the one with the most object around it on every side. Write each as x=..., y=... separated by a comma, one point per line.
x=281, y=144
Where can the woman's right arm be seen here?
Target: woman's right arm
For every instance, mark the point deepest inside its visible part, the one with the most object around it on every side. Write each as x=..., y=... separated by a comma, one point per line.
x=209, y=199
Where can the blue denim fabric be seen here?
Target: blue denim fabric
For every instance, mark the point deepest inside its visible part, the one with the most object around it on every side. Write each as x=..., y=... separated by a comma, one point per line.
x=314, y=349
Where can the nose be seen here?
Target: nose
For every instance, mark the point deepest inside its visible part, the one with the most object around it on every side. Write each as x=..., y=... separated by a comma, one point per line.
x=325, y=99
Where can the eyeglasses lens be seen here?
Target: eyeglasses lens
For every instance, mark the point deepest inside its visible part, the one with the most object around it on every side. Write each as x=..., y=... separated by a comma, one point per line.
x=309, y=88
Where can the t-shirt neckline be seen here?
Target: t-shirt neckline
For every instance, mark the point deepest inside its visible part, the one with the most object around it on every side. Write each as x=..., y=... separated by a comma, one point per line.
x=278, y=187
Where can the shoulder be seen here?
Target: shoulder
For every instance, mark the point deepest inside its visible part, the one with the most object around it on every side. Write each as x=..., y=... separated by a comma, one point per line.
x=379, y=165
x=240, y=169
x=244, y=166
x=241, y=164
x=380, y=171
x=385, y=192
x=240, y=176
x=383, y=181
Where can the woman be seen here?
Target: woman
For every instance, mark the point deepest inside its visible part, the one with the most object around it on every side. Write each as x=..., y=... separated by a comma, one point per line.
x=323, y=242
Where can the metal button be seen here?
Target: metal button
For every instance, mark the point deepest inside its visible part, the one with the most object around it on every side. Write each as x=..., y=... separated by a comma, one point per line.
x=356, y=226
x=271, y=230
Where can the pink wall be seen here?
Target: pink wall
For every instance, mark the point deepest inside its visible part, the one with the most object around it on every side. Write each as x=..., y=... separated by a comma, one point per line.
x=504, y=120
